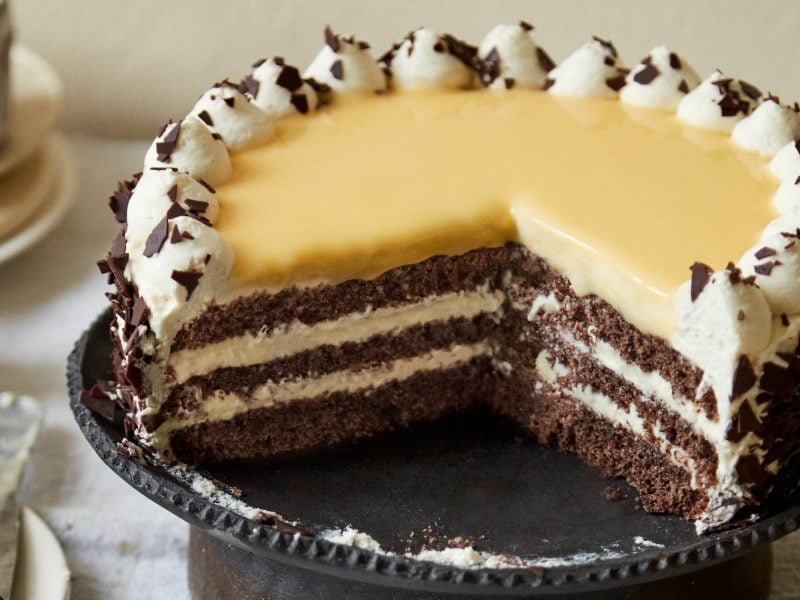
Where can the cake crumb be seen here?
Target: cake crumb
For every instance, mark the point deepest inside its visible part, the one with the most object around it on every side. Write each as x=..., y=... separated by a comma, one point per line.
x=614, y=493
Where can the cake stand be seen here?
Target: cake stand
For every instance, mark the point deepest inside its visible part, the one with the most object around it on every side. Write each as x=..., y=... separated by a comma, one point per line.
x=467, y=477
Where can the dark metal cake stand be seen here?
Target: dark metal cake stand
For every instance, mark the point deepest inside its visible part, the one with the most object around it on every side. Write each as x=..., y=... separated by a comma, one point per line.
x=467, y=477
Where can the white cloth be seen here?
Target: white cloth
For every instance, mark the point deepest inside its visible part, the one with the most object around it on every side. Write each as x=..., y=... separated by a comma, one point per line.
x=119, y=545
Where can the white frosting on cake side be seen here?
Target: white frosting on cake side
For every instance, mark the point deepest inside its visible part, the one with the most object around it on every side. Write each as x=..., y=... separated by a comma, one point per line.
x=775, y=263
x=722, y=316
x=769, y=128
x=346, y=66
x=510, y=58
x=228, y=112
x=718, y=103
x=190, y=146
x=787, y=198
x=592, y=71
x=176, y=259
x=660, y=80
x=786, y=163
x=278, y=89
x=426, y=59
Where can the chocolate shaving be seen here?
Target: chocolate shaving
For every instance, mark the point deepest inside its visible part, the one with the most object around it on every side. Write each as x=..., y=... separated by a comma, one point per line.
x=765, y=252
x=332, y=39
x=526, y=26
x=261, y=61
x=188, y=279
x=616, y=83
x=740, y=315
x=609, y=61
x=683, y=87
x=229, y=101
x=509, y=82
x=197, y=206
x=744, y=377
x=300, y=102
x=749, y=470
x=647, y=75
x=172, y=193
x=784, y=319
x=766, y=268
x=176, y=237
x=700, y=277
x=155, y=241
x=118, y=202
x=730, y=105
x=206, y=185
x=337, y=70
x=439, y=46
x=461, y=49
x=118, y=245
x=116, y=266
x=674, y=61
x=548, y=83
x=607, y=45
x=139, y=312
x=290, y=79
x=489, y=67
x=167, y=145
x=777, y=380
x=250, y=85
x=744, y=422
x=98, y=400
x=205, y=118
x=102, y=265
x=176, y=210
x=547, y=63
x=750, y=90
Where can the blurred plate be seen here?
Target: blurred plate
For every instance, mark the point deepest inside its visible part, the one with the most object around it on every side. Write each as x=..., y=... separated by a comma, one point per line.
x=41, y=572
x=50, y=196
x=36, y=99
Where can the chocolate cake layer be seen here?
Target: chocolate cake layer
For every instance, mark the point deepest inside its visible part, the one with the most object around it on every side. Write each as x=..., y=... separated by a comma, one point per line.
x=533, y=278
x=564, y=423
x=377, y=350
x=581, y=371
x=263, y=311
x=337, y=417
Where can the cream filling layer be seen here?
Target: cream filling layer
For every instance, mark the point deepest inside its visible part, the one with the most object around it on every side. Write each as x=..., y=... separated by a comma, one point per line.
x=262, y=347
x=630, y=419
x=654, y=386
x=222, y=406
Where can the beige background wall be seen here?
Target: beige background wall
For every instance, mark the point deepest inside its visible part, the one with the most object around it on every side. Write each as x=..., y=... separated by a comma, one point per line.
x=130, y=64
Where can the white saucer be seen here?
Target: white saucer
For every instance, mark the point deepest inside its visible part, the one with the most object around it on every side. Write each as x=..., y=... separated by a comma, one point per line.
x=41, y=572
x=51, y=195
x=36, y=100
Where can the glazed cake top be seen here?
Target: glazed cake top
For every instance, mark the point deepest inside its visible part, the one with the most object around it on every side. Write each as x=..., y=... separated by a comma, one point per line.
x=374, y=182
x=358, y=165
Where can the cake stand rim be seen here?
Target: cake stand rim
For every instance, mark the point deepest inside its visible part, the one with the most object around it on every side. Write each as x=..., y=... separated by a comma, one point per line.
x=318, y=554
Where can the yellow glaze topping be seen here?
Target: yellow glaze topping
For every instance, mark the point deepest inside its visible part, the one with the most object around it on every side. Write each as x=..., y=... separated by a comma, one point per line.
x=621, y=202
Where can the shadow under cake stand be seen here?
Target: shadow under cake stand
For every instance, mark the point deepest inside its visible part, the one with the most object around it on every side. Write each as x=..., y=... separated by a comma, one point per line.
x=468, y=477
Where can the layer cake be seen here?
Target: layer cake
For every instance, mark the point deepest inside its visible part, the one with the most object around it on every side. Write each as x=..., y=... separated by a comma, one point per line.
x=606, y=257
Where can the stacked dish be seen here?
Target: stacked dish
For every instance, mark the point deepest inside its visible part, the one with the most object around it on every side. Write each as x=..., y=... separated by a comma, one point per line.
x=36, y=173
